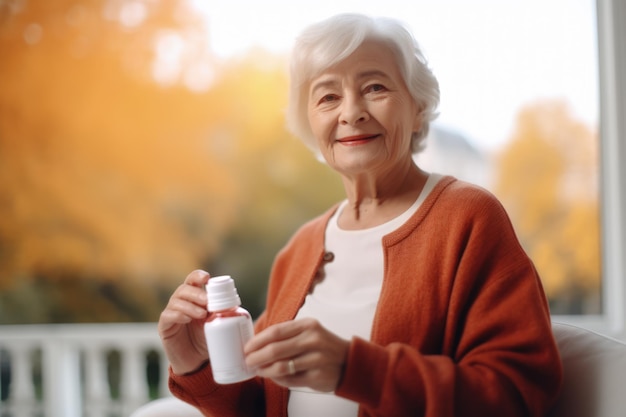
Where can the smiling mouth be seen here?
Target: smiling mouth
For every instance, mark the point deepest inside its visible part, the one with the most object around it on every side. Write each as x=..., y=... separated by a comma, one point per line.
x=358, y=139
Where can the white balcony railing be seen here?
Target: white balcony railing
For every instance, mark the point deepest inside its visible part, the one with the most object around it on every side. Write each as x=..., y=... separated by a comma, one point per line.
x=80, y=370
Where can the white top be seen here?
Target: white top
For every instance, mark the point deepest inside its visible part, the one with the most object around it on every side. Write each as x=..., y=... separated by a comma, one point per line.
x=345, y=301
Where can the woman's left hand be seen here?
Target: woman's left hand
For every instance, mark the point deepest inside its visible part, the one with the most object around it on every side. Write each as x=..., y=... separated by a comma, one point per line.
x=298, y=353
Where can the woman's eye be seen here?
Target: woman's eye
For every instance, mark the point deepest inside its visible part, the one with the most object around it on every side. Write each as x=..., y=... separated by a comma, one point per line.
x=375, y=88
x=328, y=98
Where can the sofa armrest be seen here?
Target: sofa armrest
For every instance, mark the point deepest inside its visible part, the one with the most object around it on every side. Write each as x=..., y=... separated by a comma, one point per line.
x=594, y=373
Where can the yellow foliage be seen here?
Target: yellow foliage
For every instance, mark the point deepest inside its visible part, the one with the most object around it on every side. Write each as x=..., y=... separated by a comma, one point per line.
x=547, y=179
x=103, y=171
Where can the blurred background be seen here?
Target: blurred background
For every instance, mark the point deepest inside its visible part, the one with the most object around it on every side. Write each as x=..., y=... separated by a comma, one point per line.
x=142, y=139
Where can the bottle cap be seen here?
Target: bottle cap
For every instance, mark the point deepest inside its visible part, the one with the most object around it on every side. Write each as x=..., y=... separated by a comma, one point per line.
x=222, y=294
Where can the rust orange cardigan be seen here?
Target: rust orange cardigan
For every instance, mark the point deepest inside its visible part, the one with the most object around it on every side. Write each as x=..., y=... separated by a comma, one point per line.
x=462, y=327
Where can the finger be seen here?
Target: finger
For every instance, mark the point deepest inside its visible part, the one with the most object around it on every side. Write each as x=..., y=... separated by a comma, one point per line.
x=191, y=294
x=197, y=278
x=310, y=370
x=170, y=321
x=301, y=372
x=187, y=307
x=284, y=368
x=296, y=365
x=275, y=333
x=177, y=313
x=282, y=341
x=300, y=379
x=270, y=355
x=187, y=302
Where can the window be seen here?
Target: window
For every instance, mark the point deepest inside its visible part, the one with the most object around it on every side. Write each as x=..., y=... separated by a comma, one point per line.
x=611, y=14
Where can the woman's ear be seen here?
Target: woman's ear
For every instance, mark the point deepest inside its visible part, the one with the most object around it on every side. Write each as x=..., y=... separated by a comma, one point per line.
x=418, y=119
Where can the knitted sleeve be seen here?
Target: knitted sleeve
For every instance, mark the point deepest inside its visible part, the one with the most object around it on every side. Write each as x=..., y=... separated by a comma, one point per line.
x=233, y=400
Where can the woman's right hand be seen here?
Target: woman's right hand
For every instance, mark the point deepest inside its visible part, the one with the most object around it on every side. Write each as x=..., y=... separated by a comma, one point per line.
x=181, y=325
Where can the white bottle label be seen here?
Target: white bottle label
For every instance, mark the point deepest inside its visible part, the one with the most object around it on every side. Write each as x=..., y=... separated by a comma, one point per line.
x=226, y=338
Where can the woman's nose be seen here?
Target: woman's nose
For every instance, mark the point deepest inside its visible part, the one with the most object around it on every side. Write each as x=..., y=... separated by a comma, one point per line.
x=353, y=112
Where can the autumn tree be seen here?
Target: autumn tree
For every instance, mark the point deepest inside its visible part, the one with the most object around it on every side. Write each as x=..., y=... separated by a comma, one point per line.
x=123, y=167
x=547, y=177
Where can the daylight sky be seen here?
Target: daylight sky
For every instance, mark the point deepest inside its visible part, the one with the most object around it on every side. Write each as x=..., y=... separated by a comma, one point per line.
x=491, y=56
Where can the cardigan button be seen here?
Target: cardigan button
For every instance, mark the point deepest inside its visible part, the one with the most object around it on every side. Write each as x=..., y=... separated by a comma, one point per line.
x=329, y=257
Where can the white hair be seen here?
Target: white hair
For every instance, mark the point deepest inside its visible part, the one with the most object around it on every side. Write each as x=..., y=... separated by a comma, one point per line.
x=324, y=44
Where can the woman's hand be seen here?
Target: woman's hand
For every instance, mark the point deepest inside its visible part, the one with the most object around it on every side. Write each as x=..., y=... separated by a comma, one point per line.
x=181, y=325
x=298, y=353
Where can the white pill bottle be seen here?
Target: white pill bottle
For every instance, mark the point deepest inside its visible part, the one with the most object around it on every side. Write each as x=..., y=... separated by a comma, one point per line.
x=227, y=329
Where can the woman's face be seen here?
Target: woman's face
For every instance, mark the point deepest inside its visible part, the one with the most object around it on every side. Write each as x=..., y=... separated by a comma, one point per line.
x=361, y=112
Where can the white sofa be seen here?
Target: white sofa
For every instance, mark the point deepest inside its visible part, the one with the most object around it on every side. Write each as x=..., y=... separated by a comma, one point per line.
x=594, y=382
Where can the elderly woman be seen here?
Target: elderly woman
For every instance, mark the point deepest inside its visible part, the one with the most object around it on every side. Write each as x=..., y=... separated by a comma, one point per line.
x=413, y=297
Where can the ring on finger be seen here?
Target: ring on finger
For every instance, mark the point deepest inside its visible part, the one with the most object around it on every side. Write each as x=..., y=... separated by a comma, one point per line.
x=292, y=367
